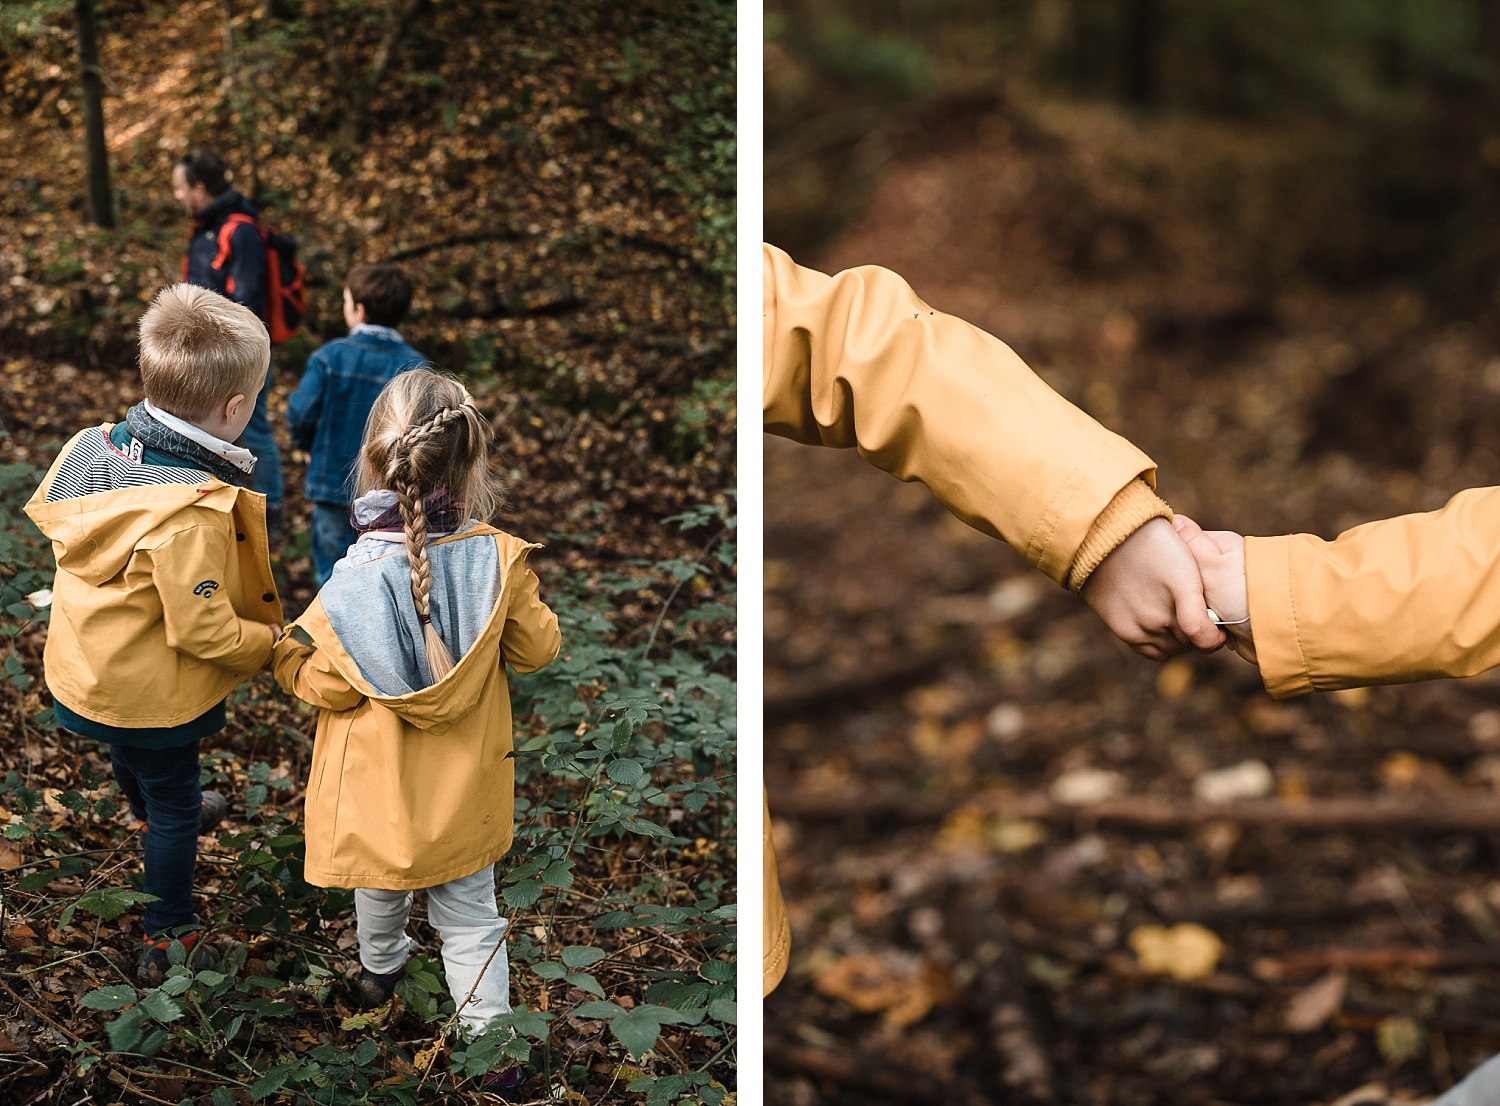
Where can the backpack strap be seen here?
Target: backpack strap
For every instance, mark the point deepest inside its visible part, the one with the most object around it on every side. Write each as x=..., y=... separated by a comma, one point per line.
x=226, y=232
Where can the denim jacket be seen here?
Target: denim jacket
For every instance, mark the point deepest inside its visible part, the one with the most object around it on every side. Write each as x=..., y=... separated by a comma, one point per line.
x=327, y=412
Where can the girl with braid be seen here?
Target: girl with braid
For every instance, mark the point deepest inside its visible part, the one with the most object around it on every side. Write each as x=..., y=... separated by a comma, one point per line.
x=404, y=653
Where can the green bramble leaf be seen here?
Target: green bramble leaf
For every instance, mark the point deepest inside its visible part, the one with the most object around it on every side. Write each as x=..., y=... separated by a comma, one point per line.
x=110, y=998
x=582, y=956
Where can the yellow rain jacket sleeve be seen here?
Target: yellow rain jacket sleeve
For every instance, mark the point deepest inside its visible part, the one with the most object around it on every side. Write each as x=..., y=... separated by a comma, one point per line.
x=199, y=620
x=1406, y=598
x=310, y=674
x=531, y=638
x=857, y=360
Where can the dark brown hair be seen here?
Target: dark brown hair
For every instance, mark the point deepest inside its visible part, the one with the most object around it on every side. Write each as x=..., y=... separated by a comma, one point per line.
x=202, y=166
x=383, y=289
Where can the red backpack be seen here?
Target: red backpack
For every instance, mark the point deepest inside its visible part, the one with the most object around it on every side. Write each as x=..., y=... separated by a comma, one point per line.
x=286, y=300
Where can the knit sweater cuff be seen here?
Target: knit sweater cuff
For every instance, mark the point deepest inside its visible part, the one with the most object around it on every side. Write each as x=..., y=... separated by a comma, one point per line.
x=1131, y=508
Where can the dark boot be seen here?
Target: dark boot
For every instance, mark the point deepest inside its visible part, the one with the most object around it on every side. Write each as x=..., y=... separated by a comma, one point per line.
x=154, y=964
x=372, y=989
x=506, y=1083
x=212, y=811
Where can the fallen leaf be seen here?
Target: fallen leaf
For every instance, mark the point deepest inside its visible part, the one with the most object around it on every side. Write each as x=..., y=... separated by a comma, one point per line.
x=901, y=989
x=1086, y=785
x=423, y=1060
x=1186, y=951
x=1355, y=698
x=1249, y=779
x=1399, y=1038
x=1174, y=679
x=1015, y=596
x=1005, y=722
x=1007, y=835
x=1311, y=1007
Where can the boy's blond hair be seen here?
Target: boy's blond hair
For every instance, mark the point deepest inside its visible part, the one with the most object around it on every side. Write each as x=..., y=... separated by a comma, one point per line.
x=198, y=349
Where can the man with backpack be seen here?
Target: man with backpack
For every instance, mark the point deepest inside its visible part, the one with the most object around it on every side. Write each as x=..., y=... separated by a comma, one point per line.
x=229, y=252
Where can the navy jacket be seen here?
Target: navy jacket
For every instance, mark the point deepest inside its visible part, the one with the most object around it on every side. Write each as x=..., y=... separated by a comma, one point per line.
x=327, y=412
x=242, y=276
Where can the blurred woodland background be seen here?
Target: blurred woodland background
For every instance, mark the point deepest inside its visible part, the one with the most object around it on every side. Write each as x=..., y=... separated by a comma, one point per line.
x=558, y=180
x=1023, y=865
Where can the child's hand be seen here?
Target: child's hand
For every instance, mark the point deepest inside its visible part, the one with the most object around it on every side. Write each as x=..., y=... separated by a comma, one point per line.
x=1221, y=560
x=276, y=631
x=1148, y=592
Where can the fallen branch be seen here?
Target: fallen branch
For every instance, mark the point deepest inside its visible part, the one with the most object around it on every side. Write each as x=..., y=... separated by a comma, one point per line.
x=996, y=998
x=1313, y=961
x=862, y=1073
x=818, y=695
x=1403, y=813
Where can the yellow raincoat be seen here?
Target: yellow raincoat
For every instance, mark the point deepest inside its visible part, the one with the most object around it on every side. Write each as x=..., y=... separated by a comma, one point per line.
x=414, y=790
x=857, y=360
x=1414, y=597
x=163, y=600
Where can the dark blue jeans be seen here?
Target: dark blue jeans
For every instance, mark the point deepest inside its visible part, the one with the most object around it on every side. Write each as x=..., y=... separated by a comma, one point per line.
x=331, y=537
x=162, y=788
x=259, y=440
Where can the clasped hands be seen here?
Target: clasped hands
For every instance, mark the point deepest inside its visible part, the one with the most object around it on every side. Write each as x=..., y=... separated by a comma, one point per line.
x=1155, y=589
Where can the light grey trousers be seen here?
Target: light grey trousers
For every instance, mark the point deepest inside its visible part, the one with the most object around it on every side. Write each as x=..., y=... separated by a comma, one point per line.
x=467, y=918
x=1481, y=1088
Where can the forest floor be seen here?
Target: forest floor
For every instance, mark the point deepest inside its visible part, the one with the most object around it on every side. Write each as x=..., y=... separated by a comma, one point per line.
x=558, y=182
x=964, y=933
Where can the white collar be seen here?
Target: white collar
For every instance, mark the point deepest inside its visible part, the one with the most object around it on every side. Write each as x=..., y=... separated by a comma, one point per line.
x=238, y=456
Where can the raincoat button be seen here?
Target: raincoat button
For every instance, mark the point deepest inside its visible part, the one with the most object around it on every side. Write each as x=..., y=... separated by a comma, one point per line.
x=239, y=537
x=268, y=597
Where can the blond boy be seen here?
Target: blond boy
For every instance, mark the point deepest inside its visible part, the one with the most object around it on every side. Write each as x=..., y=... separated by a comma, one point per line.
x=164, y=599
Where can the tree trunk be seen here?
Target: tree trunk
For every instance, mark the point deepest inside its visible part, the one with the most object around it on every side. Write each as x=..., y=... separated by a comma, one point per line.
x=398, y=14
x=238, y=102
x=101, y=210
x=1139, y=55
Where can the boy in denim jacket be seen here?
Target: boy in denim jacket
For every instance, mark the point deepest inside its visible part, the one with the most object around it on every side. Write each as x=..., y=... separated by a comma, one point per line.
x=163, y=600
x=327, y=412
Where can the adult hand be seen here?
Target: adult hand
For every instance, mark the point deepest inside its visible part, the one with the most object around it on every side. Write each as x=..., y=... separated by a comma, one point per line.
x=1148, y=592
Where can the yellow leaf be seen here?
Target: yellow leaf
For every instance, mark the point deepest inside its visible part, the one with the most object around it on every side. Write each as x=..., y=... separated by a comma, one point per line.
x=1355, y=698
x=1175, y=678
x=1015, y=835
x=423, y=1060
x=1399, y=1039
x=964, y=828
x=1186, y=951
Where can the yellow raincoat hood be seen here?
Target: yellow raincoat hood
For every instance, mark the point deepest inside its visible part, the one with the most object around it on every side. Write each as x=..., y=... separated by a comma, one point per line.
x=413, y=790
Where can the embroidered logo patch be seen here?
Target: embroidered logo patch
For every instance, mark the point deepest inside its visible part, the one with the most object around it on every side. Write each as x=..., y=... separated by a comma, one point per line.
x=207, y=588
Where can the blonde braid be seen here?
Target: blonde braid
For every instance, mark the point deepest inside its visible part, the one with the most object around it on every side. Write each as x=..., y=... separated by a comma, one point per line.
x=431, y=428
x=414, y=523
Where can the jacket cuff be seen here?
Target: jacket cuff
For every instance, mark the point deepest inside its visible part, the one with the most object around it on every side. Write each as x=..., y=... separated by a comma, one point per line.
x=1133, y=506
x=1273, y=616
